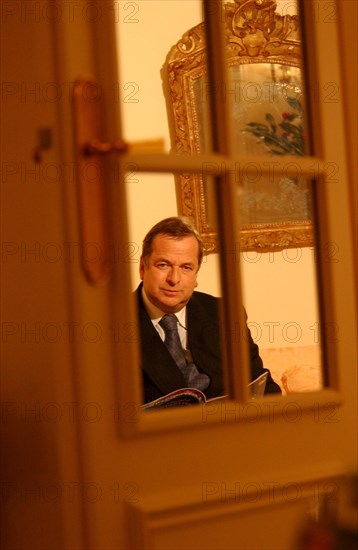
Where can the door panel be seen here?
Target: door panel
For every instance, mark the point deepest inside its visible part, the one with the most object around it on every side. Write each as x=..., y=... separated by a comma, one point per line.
x=227, y=514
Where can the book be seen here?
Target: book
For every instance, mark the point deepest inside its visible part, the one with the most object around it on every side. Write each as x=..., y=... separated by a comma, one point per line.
x=257, y=386
x=177, y=398
x=191, y=396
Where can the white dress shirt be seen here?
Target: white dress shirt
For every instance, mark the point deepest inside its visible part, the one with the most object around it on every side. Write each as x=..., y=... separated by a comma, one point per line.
x=156, y=314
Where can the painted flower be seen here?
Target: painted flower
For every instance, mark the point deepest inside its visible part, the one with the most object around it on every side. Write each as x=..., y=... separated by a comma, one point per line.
x=285, y=137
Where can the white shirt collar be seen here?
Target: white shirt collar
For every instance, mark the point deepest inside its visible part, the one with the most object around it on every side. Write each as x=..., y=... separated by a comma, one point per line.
x=155, y=313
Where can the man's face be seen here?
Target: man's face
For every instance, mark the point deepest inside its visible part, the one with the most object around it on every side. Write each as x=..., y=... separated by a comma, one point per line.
x=169, y=276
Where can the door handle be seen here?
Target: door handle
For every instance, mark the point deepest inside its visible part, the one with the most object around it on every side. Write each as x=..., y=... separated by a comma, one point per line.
x=91, y=188
x=97, y=147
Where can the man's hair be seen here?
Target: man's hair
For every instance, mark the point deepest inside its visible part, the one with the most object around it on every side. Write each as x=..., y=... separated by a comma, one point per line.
x=176, y=228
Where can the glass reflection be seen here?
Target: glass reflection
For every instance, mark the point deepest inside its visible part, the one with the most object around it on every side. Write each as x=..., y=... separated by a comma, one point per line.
x=276, y=242
x=267, y=107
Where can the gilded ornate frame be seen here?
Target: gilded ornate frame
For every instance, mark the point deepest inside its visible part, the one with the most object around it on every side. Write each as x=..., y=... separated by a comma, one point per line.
x=255, y=34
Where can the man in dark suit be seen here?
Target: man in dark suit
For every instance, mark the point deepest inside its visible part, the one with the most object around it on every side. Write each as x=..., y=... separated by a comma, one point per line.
x=171, y=257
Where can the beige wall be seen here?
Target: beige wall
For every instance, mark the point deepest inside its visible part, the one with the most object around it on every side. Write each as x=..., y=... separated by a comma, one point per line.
x=279, y=289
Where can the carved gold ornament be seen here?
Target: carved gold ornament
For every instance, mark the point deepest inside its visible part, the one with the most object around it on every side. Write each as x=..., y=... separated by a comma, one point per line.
x=255, y=34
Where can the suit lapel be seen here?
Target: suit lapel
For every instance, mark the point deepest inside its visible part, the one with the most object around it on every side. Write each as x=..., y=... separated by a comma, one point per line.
x=204, y=336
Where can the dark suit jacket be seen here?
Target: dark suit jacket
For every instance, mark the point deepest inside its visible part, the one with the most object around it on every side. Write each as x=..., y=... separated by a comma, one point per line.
x=160, y=373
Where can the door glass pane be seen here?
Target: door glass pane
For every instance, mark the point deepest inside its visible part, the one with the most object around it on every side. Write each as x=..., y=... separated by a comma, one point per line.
x=275, y=206
x=169, y=278
x=147, y=29
x=267, y=101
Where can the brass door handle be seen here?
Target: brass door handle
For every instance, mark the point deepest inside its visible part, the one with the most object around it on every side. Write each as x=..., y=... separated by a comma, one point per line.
x=91, y=190
x=95, y=147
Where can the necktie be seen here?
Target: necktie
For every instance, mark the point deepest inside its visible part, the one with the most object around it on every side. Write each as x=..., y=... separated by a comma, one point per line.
x=193, y=377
